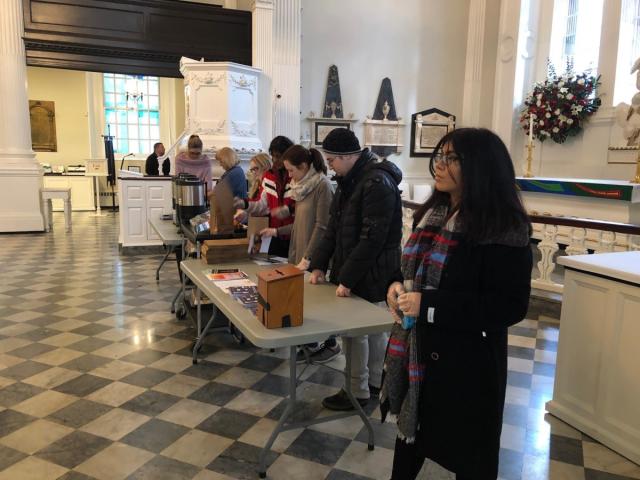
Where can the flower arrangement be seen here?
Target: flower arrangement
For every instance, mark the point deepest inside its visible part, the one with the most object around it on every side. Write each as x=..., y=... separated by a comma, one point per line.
x=560, y=105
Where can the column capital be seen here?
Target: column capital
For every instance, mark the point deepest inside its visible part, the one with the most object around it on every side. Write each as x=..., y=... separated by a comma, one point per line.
x=261, y=4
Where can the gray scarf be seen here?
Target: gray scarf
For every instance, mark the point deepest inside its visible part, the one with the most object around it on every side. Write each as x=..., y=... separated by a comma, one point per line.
x=300, y=190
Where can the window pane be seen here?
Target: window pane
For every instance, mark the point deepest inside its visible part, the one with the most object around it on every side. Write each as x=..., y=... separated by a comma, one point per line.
x=121, y=101
x=109, y=100
x=134, y=146
x=154, y=133
x=145, y=146
x=155, y=118
x=628, y=52
x=144, y=131
x=154, y=103
x=575, y=35
x=143, y=115
x=121, y=116
x=153, y=87
x=110, y=116
x=133, y=131
x=122, y=132
x=132, y=116
x=123, y=146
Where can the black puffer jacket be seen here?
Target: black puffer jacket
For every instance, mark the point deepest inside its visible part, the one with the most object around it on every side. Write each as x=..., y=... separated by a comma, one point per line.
x=365, y=229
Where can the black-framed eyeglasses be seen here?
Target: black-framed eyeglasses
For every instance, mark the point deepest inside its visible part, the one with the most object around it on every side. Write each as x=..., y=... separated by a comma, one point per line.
x=445, y=159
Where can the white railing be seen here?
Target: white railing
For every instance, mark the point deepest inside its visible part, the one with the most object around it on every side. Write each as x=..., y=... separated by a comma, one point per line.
x=580, y=236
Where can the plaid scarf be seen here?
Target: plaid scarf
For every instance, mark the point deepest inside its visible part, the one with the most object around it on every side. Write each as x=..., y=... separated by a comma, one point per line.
x=423, y=259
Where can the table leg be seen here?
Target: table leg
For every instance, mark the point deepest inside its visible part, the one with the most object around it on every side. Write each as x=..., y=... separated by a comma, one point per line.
x=199, y=325
x=283, y=418
x=164, y=259
x=47, y=215
x=348, y=342
x=175, y=299
x=67, y=215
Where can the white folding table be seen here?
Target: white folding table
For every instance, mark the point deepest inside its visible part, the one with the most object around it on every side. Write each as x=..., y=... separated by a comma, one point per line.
x=171, y=238
x=324, y=315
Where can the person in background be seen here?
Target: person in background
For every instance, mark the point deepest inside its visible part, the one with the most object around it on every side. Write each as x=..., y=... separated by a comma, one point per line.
x=464, y=279
x=152, y=166
x=194, y=162
x=275, y=199
x=258, y=165
x=233, y=173
x=362, y=242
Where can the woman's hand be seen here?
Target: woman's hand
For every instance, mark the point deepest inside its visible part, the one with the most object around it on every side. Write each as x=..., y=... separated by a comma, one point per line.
x=409, y=303
x=269, y=232
x=343, y=291
x=304, y=264
x=395, y=290
x=241, y=216
x=317, y=277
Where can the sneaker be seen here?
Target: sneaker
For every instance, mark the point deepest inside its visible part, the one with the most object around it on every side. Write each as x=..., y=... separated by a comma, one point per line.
x=325, y=354
x=374, y=391
x=340, y=402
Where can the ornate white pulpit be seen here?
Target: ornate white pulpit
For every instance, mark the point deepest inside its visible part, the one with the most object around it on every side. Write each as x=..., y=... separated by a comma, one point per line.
x=221, y=106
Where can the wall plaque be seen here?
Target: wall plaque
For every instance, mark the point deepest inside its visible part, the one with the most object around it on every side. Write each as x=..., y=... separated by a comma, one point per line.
x=427, y=128
x=43, y=126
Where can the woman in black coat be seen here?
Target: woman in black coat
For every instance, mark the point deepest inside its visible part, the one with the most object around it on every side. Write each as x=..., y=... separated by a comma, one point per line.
x=465, y=278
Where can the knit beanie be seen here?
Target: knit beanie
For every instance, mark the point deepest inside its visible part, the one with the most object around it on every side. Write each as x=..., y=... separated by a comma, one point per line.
x=341, y=141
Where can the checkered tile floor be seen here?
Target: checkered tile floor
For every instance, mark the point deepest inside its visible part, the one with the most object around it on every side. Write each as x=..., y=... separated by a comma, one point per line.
x=96, y=382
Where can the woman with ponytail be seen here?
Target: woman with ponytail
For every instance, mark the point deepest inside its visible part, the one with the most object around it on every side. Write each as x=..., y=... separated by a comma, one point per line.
x=311, y=190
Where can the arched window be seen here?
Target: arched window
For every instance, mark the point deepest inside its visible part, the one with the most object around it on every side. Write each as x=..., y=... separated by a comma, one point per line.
x=132, y=110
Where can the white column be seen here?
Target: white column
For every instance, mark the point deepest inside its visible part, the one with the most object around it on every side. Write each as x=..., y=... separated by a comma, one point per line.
x=503, y=107
x=20, y=174
x=262, y=58
x=607, y=63
x=473, y=65
x=286, y=68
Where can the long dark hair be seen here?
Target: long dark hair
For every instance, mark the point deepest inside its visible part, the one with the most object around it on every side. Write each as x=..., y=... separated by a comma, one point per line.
x=490, y=204
x=297, y=155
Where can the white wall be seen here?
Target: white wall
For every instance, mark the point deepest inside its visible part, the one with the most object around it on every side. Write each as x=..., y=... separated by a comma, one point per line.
x=419, y=44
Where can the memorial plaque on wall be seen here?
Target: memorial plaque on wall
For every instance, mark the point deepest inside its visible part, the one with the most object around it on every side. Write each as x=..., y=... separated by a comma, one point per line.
x=383, y=131
x=427, y=128
x=42, y=115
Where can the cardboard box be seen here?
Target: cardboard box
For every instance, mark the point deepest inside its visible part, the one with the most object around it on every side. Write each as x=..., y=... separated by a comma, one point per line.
x=280, y=297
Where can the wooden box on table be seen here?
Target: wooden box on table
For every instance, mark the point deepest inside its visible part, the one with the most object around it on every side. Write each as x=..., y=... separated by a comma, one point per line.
x=224, y=250
x=280, y=297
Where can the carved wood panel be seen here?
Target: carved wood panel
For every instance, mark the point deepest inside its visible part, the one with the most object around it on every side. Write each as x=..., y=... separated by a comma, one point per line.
x=145, y=37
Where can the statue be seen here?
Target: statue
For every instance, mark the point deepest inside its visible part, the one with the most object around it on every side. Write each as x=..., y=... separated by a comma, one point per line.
x=628, y=116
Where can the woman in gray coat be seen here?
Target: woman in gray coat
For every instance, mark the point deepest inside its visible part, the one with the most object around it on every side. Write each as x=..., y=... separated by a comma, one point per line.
x=312, y=192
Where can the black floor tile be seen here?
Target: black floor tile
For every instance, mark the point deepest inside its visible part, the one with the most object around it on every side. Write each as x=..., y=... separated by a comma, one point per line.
x=10, y=421
x=147, y=377
x=567, y=450
x=264, y=363
x=228, y=423
x=272, y=384
x=79, y=413
x=155, y=435
x=150, y=403
x=9, y=456
x=216, y=393
x=86, y=363
x=17, y=392
x=318, y=447
x=164, y=468
x=144, y=357
x=240, y=461
x=83, y=385
x=75, y=448
x=23, y=370
x=32, y=351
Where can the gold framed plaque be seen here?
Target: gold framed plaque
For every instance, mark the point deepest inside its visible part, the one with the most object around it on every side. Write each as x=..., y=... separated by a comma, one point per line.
x=42, y=115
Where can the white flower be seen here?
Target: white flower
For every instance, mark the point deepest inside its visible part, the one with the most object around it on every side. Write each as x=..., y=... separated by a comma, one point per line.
x=541, y=122
x=569, y=96
x=556, y=129
x=539, y=96
x=563, y=118
x=548, y=115
x=570, y=121
x=560, y=95
x=581, y=81
x=557, y=112
x=538, y=103
x=560, y=84
x=564, y=90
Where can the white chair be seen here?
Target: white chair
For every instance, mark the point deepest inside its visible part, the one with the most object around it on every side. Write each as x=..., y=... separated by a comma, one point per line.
x=421, y=192
x=47, y=194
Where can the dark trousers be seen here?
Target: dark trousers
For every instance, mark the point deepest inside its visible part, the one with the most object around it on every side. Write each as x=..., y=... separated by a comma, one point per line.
x=407, y=462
